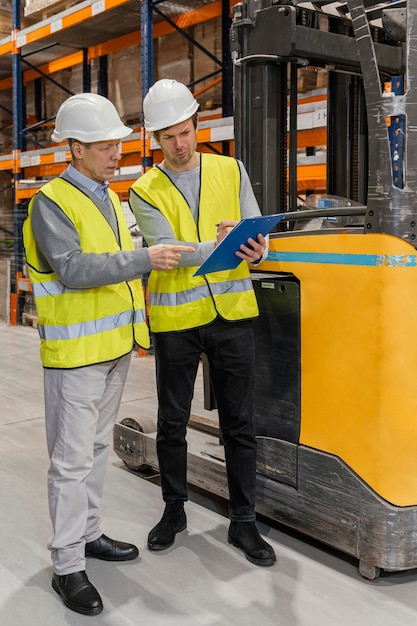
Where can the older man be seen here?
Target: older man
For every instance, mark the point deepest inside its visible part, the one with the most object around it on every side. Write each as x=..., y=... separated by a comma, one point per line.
x=85, y=276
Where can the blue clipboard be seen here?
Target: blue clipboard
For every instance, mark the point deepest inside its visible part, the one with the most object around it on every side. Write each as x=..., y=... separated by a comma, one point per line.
x=224, y=256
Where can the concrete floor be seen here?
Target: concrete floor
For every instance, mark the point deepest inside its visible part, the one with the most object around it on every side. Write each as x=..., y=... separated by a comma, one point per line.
x=201, y=579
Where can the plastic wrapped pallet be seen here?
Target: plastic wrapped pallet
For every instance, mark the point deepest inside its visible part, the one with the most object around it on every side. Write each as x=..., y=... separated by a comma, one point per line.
x=46, y=8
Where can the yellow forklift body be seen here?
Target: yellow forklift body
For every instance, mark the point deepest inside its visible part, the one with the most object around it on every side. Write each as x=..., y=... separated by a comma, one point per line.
x=358, y=299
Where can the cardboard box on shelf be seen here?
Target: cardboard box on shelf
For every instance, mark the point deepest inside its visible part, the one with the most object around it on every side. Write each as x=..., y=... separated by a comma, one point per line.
x=209, y=34
x=45, y=8
x=307, y=79
x=6, y=24
x=173, y=57
x=5, y=19
x=5, y=275
x=322, y=76
x=124, y=82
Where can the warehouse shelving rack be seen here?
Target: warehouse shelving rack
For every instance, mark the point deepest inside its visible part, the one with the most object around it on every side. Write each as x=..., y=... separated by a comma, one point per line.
x=76, y=36
x=90, y=31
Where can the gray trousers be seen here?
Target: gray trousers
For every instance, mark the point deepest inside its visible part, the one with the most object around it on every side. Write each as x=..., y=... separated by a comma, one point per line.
x=81, y=407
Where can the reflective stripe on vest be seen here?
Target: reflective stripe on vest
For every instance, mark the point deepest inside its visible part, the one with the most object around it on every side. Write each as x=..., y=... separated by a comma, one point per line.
x=197, y=293
x=83, y=329
x=52, y=288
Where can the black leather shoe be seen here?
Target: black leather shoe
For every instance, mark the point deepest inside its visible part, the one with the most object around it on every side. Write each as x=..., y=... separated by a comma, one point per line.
x=245, y=535
x=77, y=593
x=173, y=521
x=111, y=550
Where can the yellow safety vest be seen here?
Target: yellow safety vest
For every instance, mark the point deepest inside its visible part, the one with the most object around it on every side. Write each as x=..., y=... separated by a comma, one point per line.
x=178, y=300
x=81, y=327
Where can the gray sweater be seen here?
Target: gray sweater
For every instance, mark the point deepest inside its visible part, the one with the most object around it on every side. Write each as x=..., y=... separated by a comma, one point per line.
x=60, y=249
x=155, y=228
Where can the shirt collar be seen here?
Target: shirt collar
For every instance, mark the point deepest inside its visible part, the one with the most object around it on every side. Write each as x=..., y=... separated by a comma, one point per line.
x=85, y=181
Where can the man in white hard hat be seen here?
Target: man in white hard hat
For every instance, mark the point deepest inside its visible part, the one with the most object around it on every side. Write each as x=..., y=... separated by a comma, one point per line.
x=85, y=275
x=196, y=198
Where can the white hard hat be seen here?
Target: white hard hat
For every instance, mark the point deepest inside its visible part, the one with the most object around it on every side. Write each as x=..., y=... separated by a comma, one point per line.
x=88, y=117
x=168, y=102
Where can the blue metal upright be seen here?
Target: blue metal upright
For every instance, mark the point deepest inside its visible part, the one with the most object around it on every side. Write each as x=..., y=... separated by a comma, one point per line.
x=147, y=66
x=17, y=91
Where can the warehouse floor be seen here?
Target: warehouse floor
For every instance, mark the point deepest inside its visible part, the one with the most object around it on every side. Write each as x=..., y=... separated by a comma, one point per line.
x=201, y=579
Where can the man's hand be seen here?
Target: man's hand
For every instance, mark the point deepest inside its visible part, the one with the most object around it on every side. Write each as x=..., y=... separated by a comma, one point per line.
x=165, y=256
x=252, y=253
x=223, y=229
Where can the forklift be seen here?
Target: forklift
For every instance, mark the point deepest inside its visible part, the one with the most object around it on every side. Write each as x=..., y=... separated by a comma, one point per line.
x=335, y=391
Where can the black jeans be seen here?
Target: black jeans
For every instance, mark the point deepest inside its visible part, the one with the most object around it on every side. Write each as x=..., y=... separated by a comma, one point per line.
x=230, y=351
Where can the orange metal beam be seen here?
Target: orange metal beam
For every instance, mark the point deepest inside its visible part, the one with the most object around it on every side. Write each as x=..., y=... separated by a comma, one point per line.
x=6, y=164
x=6, y=83
x=40, y=171
x=311, y=137
x=24, y=194
x=130, y=159
x=311, y=176
x=122, y=186
x=13, y=309
x=207, y=87
x=134, y=145
x=306, y=100
x=6, y=48
x=54, y=66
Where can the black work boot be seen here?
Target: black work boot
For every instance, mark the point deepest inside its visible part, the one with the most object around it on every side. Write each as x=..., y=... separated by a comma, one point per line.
x=77, y=593
x=245, y=535
x=173, y=521
x=111, y=550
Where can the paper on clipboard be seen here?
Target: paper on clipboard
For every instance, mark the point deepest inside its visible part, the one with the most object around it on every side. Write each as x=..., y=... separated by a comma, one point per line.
x=224, y=256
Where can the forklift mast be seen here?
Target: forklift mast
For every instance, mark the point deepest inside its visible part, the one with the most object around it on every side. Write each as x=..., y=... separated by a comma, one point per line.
x=363, y=48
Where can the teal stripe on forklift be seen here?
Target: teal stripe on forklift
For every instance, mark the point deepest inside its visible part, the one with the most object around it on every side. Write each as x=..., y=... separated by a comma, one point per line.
x=330, y=258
